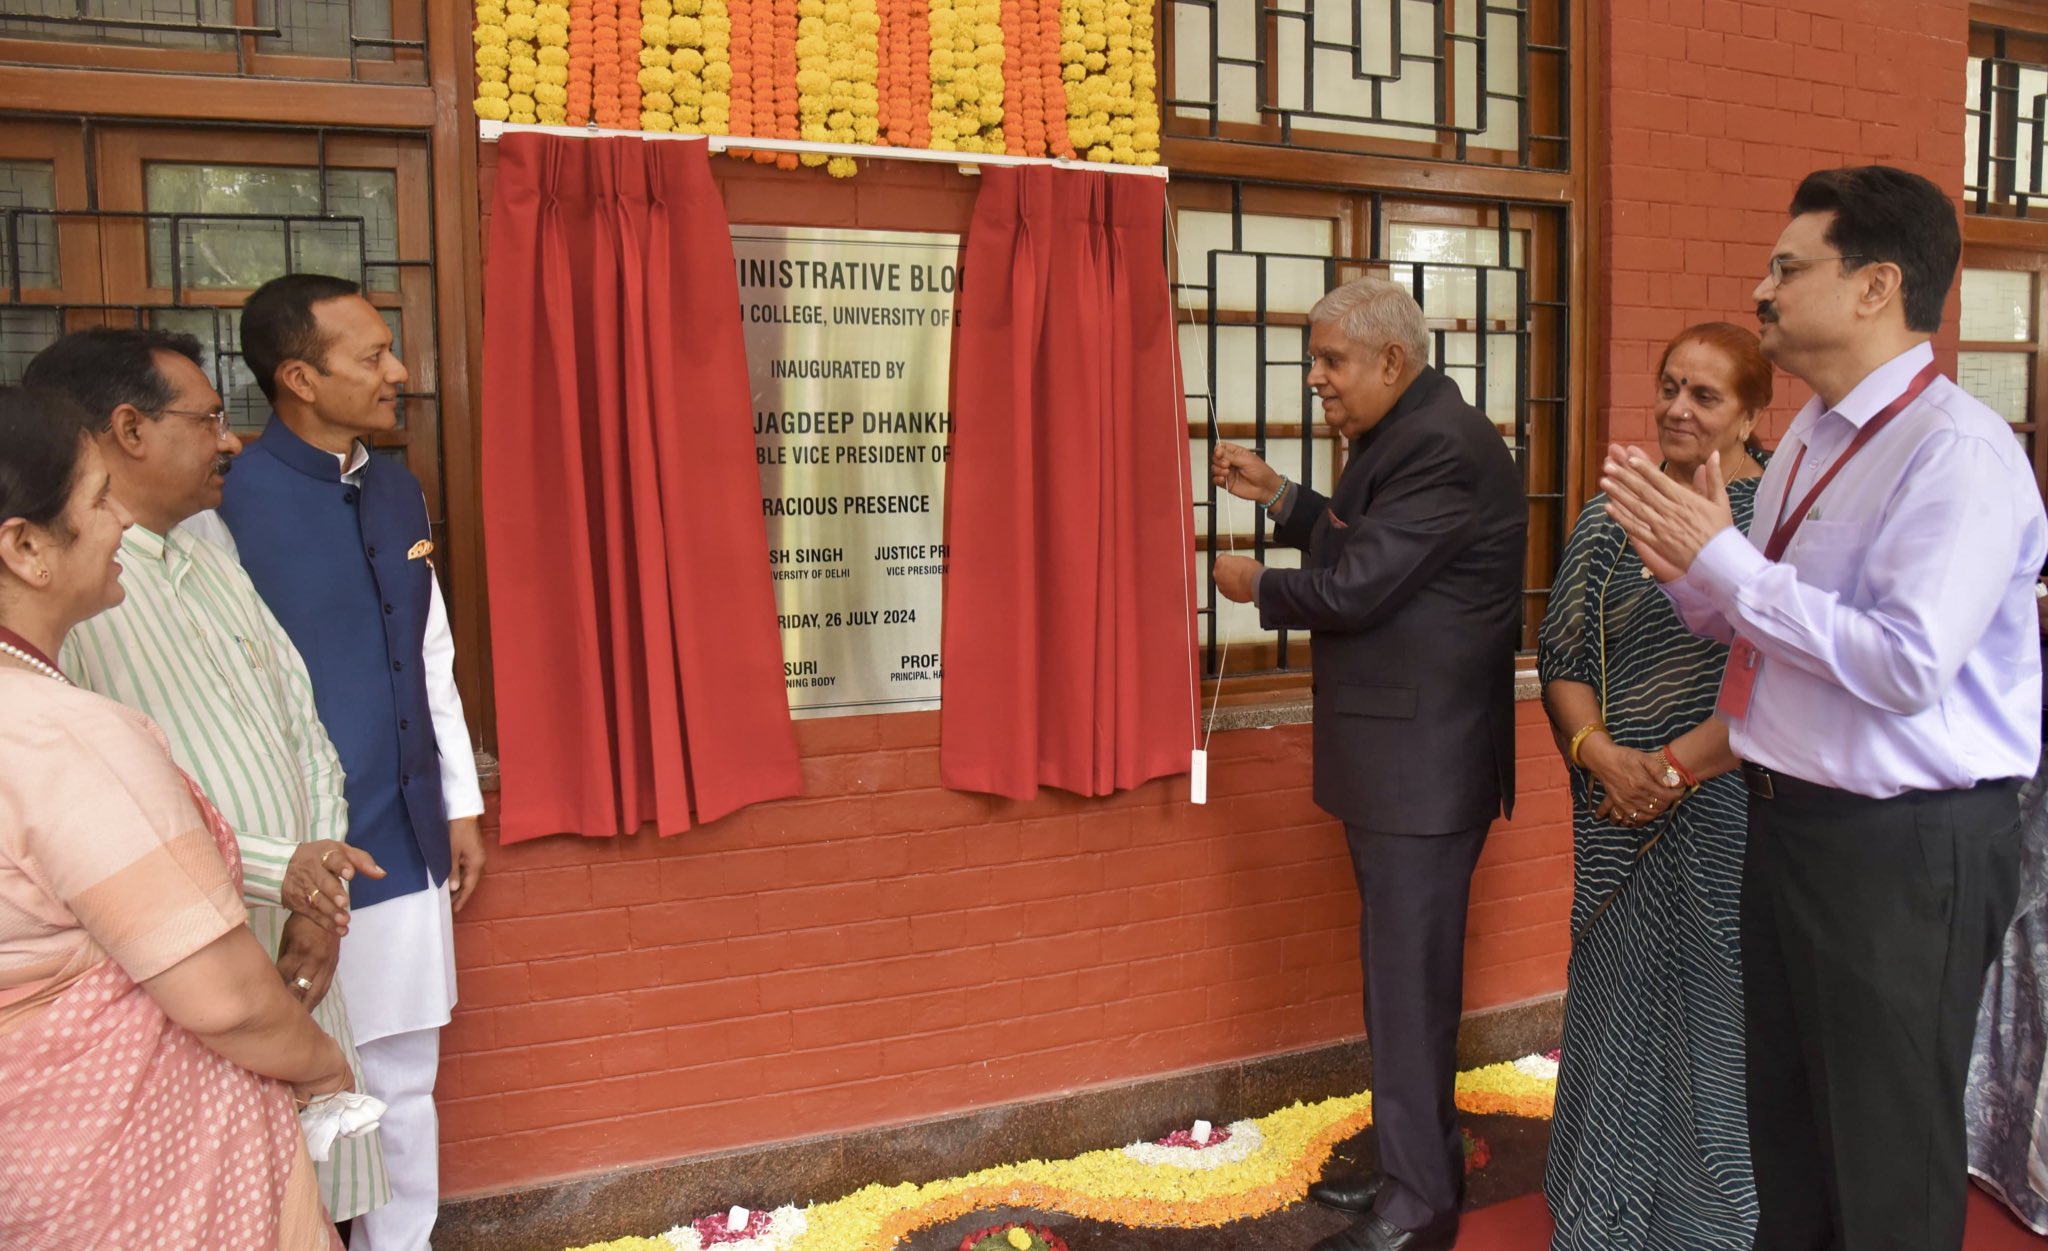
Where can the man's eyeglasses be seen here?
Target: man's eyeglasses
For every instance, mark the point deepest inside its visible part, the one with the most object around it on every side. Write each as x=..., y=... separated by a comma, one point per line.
x=1783, y=267
x=218, y=418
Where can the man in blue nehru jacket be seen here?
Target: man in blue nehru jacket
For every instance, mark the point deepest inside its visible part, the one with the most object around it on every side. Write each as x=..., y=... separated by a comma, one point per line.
x=336, y=541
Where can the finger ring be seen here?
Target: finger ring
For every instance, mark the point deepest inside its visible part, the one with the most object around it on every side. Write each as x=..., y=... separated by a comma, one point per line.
x=1633, y=814
x=324, y=855
x=302, y=983
x=312, y=895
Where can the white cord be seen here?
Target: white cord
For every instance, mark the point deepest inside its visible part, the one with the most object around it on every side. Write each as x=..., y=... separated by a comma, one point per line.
x=1180, y=401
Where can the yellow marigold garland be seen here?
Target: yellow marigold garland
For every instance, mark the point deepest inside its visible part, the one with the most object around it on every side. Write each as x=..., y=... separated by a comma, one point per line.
x=492, y=60
x=657, y=80
x=551, y=92
x=715, y=114
x=686, y=64
x=1144, y=86
x=813, y=77
x=521, y=70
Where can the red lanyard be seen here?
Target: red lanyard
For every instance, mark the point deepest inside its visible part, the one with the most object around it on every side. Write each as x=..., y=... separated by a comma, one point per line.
x=1781, y=534
x=12, y=639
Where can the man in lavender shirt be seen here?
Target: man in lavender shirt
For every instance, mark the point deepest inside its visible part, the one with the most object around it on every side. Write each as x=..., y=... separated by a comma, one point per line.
x=1884, y=691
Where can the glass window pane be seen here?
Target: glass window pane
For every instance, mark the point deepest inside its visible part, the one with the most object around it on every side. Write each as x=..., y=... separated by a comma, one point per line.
x=124, y=23
x=321, y=28
x=23, y=333
x=1997, y=378
x=1998, y=304
x=305, y=27
x=29, y=185
x=217, y=254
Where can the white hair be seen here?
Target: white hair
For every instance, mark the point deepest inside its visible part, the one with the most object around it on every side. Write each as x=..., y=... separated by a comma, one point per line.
x=1373, y=312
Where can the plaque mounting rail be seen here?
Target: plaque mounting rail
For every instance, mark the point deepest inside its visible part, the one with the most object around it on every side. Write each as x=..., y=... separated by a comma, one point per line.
x=491, y=131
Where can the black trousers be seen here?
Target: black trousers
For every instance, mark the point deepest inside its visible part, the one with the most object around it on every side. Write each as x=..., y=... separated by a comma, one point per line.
x=1411, y=942
x=1867, y=927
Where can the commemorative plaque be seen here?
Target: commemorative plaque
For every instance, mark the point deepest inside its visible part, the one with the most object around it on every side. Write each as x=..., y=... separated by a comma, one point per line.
x=849, y=346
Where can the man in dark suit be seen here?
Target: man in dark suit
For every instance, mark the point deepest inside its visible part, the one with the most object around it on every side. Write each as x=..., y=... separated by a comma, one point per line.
x=1412, y=590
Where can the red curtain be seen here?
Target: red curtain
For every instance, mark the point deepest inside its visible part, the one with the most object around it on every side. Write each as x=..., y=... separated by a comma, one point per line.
x=633, y=631
x=1069, y=649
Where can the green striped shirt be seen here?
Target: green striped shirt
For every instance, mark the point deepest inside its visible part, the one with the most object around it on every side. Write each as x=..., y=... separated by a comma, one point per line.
x=193, y=646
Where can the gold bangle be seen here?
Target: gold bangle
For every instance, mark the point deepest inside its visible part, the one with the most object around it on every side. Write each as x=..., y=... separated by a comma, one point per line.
x=1573, y=751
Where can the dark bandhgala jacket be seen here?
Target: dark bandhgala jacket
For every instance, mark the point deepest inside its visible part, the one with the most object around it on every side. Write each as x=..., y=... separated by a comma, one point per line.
x=1412, y=587
x=344, y=570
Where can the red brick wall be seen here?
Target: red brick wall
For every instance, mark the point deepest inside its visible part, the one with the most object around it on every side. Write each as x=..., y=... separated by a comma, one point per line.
x=884, y=950
x=1714, y=111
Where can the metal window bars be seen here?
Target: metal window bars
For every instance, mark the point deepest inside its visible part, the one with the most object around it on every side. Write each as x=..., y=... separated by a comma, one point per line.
x=2006, y=120
x=1538, y=411
x=1474, y=80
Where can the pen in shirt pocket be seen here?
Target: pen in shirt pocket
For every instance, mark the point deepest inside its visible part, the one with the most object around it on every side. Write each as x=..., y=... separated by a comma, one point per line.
x=249, y=650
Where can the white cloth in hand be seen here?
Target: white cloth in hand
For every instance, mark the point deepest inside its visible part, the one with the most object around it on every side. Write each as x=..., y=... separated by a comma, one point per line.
x=343, y=1114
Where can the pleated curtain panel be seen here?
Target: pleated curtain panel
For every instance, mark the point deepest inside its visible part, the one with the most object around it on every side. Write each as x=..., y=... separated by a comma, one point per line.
x=1069, y=642
x=637, y=660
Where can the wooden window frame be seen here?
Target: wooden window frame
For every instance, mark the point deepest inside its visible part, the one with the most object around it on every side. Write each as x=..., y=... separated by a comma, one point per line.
x=88, y=86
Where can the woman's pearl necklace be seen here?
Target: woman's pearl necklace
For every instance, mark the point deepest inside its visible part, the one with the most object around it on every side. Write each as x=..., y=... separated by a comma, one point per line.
x=12, y=652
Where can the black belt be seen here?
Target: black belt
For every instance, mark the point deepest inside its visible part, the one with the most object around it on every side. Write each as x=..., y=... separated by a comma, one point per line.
x=1765, y=784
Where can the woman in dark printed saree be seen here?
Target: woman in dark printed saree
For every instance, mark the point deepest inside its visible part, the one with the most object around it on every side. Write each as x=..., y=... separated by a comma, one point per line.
x=2005, y=1106
x=1649, y=1145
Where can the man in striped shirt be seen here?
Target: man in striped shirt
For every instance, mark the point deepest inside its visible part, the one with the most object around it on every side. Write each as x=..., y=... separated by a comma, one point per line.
x=195, y=648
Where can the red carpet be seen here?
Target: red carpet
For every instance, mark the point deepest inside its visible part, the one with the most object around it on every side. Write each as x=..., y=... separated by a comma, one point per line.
x=1524, y=1225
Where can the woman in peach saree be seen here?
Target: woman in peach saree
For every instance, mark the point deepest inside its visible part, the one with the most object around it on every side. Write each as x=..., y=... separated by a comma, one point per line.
x=149, y=1054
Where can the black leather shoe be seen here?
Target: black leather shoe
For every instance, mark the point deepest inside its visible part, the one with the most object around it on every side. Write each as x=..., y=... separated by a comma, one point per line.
x=1352, y=1194
x=1356, y=1194
x=1374, y=1232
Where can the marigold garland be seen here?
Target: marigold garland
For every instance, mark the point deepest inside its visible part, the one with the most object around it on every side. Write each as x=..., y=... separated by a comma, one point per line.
x=604, y=63
x=740, y=69
x=1120, y=1187
x=582, y=26
x=788, y=97
x=1012, y=32
x=492, y=59
x=684, y=35
x=715, y=114
x=551, y=37
x=521, y=70
x=1060, y=78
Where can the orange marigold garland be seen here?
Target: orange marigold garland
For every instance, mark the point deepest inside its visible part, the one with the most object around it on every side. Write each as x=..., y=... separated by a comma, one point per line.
x=1012, y=30
x=1051, y=88
x=787, y=116
x=916, y=51
x=889, y=66
x=604, y=63
x=628, y=53
x=581, y=26
x=740, y=70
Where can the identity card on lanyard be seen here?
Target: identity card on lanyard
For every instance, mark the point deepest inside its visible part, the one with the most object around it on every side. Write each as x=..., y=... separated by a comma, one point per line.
x=1738, y=683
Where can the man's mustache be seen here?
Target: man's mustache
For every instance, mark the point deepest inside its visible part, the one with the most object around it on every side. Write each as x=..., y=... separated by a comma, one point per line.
x=1766, y=311
x=222, y=464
